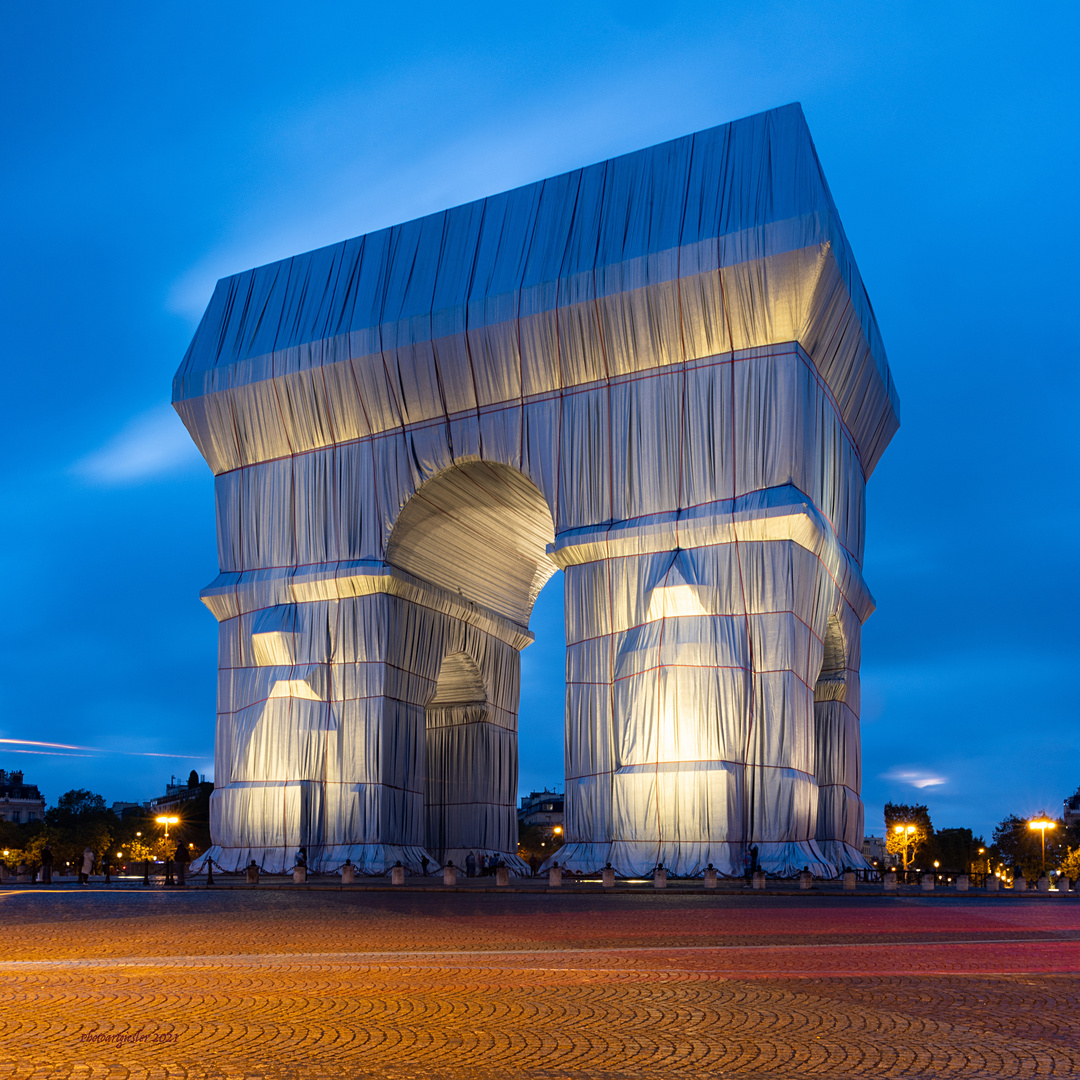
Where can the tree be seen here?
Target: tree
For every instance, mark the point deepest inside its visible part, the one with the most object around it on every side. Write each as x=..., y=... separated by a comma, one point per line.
x=908, y=830
x=958, y=850
x=79, y=820
x=538, y=840
x=193, y=779
x=1020, y=846
x=1070, y=865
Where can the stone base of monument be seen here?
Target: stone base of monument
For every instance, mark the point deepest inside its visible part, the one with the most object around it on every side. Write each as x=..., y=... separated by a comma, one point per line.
x=607, y=876
x=963, y=883
x=926, y=884
x=659, y=878
x=348, y=874
x=555, y=877
x=757, y=881
x=993, y=884
x=299, y=875
x=890, y=881
x=449, y=874
x=849, y=880
x=502, y=876
x=397, y=875
x=710, y=877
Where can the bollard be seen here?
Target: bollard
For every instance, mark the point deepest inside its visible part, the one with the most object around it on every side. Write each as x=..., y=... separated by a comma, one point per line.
x=168, y=873
x=449, y=873
x=757, y=880
x=502, y=875
x=849, y=880
x=1020, y=884
x=607, y=876
x=348, y=873
x=555, y=876
x=963, y=883
x=992, y=883
x=927, y=883
x=889, y=881
x=1043, y=884
x=209, y=873
x=299, y=875
x=659, y=878
x=253, y=873
x=710, y=876
x=397, y=874
x=806, y=879
x=1063, y=884
x=146, y=872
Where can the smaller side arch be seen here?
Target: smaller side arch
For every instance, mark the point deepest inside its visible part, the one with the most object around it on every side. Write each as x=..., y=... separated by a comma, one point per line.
x=832, y=681
x=459, y=683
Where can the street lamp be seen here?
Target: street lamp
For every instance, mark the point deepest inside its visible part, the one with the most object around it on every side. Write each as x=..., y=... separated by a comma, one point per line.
x=167, y=821
x=1042, y=825
x=906, y=833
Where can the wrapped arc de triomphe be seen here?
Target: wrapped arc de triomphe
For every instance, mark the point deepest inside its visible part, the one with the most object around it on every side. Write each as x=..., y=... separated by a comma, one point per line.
x=660, y=374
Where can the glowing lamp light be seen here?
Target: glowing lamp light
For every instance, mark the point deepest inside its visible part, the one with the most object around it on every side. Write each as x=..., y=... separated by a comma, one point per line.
x=167, y=821
x=558, y=830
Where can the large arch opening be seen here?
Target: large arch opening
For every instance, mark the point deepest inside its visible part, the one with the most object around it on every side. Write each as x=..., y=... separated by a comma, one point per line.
x=478, y=531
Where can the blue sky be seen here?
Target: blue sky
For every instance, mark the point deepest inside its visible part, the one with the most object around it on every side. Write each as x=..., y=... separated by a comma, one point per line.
x=150, y=149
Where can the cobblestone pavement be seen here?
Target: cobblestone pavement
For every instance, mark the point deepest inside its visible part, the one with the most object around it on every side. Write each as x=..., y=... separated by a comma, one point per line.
x=291, y=986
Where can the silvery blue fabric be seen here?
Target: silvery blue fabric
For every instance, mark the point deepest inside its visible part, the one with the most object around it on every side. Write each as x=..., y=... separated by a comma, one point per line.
x=660, y=374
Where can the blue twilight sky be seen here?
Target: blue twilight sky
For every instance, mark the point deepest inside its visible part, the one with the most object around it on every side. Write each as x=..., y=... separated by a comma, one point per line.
x=149, y=149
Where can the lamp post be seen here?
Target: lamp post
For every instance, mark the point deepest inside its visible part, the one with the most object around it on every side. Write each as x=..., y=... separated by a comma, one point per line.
x=906, y=832
x=1042, y=825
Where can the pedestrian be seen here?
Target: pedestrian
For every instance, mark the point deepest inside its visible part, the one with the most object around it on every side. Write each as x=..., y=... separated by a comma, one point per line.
x=181, y=858
x=754, y=859
x=534, y=864
x=484, y=862
x=46, y=865
x=424, y=864
x=470, y=865
x=87, y=865
x=301, y=857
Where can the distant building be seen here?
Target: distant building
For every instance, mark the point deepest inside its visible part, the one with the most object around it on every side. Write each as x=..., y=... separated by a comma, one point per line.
x=873, y=849
x=543, y=808
x=177, y=792
x=19, y=802
x=1072, y=809
x=128, y=809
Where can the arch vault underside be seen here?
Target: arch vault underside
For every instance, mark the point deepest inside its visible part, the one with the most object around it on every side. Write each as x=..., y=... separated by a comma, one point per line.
x=660, y=374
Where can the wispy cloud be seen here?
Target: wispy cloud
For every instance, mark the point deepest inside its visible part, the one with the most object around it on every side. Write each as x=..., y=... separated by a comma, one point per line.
x=61, y=750
x=153, y=444
x=915, y=778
